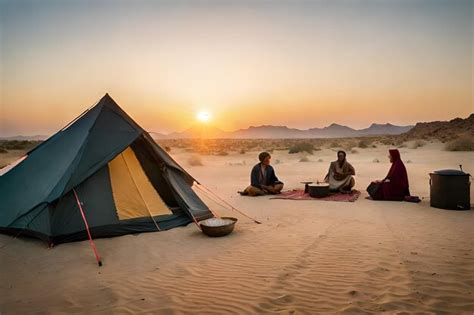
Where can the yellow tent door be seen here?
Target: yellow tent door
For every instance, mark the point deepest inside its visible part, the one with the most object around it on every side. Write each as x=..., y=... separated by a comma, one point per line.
x=133, y=193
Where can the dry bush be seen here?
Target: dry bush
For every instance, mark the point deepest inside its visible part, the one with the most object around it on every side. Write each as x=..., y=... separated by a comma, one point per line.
x=461, y=144
x=334, y=145
x=242, y=151
x=417, y=144
x=408, y=161
x=304, y=159
x=363, y=144
x=2, y=150
x=18, y=145
x=402, y=145
x=301, y=147
x=354, y=151
x=376, y=161
x=222, y=153
x=320, y=160
x=386, y=141
x=167, y=149
x=195, y=160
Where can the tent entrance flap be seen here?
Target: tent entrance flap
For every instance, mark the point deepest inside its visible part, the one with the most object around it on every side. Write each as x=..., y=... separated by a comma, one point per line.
x=133, y=193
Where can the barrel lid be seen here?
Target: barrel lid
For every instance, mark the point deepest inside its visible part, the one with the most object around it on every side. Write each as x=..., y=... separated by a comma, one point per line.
x=450, y=172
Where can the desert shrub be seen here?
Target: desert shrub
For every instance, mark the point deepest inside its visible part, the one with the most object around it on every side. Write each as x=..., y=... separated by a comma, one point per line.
x=373, y=146
x=402, y=145
x=354, y=151
x=408, y=161
x=376, y=161
x=461, y=144
x=222, y=153
x=2, y=150
x=386, y=141
x=304, y=159
x=167, y=149
x=301, y=147
x=19, y=145
x=334, y=145
x=320, y=160
x=363, y=144
x=195, y=160
x=417, y=144
x=242, y=151
x=276, y=161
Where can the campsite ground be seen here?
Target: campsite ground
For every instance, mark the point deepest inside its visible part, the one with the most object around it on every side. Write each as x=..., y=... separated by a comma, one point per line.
x=306, y=257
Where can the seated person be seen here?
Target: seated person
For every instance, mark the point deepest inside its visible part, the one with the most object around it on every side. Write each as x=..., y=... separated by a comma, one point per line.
x=263, y=179
x=395, y=185
x=340, y=174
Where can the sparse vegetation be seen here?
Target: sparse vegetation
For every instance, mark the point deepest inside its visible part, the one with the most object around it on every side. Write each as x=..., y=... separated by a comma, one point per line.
x=222, y=153
x=354, y=151
x=167, y=149
x=195, y=160
x=301, y=147
x=417, y=144
x=320, y=160
x=18, y=145
x=304, y=159
x=461, y=144
x=242, y=151
x=376, y=161
x=2, y=150
x=363, y=144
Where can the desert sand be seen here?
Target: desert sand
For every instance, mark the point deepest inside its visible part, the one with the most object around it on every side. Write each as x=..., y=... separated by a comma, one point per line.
x=307, y=257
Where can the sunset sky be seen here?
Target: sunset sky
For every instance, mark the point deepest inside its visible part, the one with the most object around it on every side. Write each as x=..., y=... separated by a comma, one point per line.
x=301, y=64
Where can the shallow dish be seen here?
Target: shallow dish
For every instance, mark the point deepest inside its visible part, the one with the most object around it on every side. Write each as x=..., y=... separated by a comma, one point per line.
x=216, y=227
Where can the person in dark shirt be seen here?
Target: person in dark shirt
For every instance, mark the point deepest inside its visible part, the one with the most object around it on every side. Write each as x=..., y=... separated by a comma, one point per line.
x=263, y=179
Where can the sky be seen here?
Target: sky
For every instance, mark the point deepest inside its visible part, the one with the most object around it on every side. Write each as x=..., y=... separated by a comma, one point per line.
x=302, y=64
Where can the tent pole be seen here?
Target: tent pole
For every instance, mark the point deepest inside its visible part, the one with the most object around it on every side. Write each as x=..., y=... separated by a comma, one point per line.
x=97, y=257
x=210, y=192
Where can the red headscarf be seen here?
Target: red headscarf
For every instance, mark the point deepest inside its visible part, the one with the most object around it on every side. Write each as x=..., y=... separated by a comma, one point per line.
x=398, y=176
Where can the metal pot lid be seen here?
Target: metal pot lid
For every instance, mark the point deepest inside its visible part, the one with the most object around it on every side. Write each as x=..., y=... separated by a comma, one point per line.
x=450, y=172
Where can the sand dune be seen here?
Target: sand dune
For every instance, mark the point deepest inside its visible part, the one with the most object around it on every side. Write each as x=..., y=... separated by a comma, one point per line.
x=307, y=257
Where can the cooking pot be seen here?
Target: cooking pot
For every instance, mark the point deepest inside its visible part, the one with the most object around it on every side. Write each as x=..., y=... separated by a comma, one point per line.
x=318, y=190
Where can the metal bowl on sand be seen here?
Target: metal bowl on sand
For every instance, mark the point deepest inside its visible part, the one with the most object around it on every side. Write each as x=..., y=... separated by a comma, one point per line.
x=216, y=227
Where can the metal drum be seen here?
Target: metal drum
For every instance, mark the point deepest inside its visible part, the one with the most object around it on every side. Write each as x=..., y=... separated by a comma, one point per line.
x=450, y=189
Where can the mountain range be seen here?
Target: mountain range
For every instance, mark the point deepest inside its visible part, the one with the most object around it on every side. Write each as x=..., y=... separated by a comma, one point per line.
x=270, y=131
x=442, y=130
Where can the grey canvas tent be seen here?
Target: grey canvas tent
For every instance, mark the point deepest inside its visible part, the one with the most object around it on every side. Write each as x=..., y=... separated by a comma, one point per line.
x=107, y=164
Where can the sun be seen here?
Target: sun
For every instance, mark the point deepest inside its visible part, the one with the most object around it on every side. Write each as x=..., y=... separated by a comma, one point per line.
x=203, y=116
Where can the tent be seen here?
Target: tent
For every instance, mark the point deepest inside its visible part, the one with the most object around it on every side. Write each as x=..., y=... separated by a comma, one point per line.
x=102, y=170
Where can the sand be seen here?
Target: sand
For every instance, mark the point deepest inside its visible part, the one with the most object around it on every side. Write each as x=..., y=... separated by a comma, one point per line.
x=307, y=257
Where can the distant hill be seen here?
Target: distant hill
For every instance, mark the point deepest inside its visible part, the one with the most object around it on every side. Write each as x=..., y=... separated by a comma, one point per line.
x=277, y=132
x=442, y=130
x=199, y=131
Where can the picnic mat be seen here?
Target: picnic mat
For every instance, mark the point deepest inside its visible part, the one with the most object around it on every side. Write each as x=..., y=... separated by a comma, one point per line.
x=299, y=194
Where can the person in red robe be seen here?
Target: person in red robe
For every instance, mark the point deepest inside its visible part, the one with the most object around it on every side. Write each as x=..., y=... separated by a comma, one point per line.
x=395, y=185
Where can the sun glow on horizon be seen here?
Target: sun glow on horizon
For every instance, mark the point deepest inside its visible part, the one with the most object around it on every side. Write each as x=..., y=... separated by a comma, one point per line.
x=203, y=116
